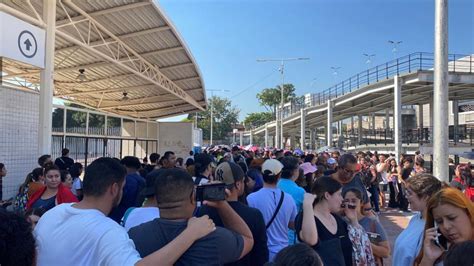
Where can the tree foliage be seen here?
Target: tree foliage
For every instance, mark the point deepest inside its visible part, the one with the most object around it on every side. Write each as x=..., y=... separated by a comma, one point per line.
x=253, y=120
x=270, y=98
x=225, y=118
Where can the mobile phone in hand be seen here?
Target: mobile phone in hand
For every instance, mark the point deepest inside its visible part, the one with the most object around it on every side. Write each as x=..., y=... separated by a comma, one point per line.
x=440, y=240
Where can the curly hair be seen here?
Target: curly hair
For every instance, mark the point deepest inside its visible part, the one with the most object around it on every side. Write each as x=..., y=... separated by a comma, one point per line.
x=17, y=244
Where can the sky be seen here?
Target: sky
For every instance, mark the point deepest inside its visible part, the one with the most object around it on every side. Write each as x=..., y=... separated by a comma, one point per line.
x=226, y=38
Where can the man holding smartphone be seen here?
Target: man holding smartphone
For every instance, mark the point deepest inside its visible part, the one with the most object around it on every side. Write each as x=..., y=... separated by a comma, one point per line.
x=233, y=176
x=175, y=197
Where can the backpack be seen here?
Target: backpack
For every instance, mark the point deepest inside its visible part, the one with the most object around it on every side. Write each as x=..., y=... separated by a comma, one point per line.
x=20, y=200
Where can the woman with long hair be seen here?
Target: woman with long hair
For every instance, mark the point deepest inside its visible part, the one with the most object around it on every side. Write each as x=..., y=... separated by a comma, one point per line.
x=377, y=236
x=449, y=220
x=393, y=183
x=53, y=193
x=335, y=240
x=409, y=242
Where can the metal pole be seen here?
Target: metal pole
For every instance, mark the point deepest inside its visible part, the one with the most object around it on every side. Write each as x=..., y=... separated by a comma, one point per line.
x=266, y=135
x=47, y=81
x=440, y=146
x=397, y=116
x=303, y=129
x=212, y=119
x=282, y=102
x=359, y=133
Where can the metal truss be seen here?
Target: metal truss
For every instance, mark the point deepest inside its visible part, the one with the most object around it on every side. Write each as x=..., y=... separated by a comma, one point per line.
x=113, y=49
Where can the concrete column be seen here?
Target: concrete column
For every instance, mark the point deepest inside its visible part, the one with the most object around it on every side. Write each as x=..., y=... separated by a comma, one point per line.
x=456, y=120
x=440, y=114
x=373, y=122
x=241, y=138
x=420, y=116
x=277, y=130
x=359, y=134
x=251, y=137
x=266, y=135
x=431, y=121
x=387, y=119
x=397, y=115
x=329, y=123
x=303, y=129
x=47, y=81
x=311, y=139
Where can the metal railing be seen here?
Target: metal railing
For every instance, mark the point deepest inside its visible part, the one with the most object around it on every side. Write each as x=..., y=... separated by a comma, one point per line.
x=464, y=135
x=407, y=64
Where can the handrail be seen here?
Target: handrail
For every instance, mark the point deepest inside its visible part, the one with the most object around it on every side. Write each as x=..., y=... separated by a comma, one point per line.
x=406, y=64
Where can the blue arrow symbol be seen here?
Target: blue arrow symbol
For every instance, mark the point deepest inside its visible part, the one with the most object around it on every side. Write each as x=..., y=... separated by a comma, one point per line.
x=28, y=44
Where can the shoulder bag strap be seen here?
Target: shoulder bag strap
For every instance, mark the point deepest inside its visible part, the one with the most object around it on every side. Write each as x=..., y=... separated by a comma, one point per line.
x=276, y=210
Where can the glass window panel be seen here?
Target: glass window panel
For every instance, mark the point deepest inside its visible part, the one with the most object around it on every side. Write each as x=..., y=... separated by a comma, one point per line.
x=128, y=128
x=152, y=130
x=96, y=124
x=113, y=126
x=76, y=122
x=58, y=120
x=141, y=129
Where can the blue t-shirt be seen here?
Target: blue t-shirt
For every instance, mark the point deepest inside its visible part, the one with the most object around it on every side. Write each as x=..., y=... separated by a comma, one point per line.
x=290, y=187
x=409, y=242
x=134, y=184
x=266, y=200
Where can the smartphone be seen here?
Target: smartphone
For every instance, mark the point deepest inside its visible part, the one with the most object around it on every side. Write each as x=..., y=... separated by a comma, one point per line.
x=440, y=240
x=211, y=192
x=352, y=207
x=374, y=237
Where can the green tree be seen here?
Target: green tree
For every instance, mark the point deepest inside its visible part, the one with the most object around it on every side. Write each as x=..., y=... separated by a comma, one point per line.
x=225, y=117
x=270, y=98
x=253, y=120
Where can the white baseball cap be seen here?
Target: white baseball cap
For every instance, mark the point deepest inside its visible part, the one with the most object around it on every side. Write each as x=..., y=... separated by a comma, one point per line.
x=273, y=166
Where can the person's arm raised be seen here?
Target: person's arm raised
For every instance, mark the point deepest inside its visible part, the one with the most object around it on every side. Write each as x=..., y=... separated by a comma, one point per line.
x=169, y=254
x=234, y=222
x=309, y=232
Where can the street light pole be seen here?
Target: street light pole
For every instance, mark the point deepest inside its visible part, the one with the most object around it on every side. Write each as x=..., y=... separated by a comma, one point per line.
x=279, y=116
x=369, y=61
x=394, y=49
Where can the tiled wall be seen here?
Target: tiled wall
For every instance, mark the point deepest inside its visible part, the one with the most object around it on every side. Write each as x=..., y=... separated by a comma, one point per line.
x=19, y=115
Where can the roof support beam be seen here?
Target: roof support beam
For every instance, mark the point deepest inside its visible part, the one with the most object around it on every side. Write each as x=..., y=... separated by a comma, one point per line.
x=141, y=101
x=101, y=42
x=103, y=12
x=142, y=68
x=176, y=66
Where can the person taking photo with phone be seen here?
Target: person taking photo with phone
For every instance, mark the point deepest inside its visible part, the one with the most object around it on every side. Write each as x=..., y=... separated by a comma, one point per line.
x=176, y=199
x=377, y=236
x=337, y=242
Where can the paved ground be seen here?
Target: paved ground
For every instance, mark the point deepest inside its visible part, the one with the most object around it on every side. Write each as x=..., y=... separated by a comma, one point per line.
x=393, y=222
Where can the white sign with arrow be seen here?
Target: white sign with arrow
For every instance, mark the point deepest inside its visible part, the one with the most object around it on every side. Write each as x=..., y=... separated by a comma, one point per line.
x=21, y=41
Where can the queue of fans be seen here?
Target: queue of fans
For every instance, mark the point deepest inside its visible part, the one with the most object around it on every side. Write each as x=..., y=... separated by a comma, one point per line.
x=235, y=207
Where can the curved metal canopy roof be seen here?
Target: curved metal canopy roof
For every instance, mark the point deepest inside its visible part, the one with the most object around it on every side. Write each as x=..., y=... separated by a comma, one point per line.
x=134, y=61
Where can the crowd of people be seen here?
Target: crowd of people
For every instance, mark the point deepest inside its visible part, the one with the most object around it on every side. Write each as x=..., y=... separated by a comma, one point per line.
x=229, y=206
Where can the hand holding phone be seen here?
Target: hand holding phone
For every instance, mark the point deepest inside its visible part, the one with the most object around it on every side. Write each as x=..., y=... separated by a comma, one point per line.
x=440, y=240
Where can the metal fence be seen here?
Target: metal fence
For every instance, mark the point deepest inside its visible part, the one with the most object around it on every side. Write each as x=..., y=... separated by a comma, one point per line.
x=86, y=149
x=403, y=65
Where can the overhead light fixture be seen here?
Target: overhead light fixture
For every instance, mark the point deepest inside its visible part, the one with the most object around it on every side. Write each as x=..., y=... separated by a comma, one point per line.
x=125, y=97
x=82, y=76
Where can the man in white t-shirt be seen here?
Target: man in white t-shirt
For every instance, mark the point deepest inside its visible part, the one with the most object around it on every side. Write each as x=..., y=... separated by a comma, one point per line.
x=277, y=207
x=82, y=234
